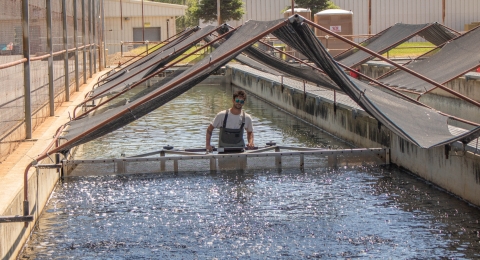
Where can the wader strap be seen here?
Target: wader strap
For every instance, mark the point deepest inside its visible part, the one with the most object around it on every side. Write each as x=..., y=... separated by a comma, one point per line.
x=225, y=119
x=226, y=116
x=243, y=120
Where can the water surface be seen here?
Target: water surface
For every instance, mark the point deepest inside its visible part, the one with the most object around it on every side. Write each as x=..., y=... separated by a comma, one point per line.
x=350, y=212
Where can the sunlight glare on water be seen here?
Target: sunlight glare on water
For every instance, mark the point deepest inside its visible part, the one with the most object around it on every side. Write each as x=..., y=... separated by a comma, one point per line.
x=350, y=212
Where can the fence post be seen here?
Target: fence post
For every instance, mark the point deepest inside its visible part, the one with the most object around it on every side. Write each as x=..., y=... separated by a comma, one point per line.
x=94, y=19
x=51, y=91
x=90, y=61
x=65, y=46
x=84, y=42
x=75, y=36
x=104, y=46
x=26, y=70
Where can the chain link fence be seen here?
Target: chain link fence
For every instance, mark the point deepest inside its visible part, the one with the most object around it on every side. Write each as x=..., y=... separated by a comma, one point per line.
x=64, y=50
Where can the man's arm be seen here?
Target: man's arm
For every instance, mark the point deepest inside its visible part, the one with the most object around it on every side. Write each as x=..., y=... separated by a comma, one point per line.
x=208, y=138
x=250, y=144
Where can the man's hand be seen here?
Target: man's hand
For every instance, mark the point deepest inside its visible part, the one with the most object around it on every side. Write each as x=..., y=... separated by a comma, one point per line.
x=209, y=148
x=250, y=144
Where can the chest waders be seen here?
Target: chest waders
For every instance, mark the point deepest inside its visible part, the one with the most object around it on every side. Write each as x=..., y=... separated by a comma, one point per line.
x=231, y=137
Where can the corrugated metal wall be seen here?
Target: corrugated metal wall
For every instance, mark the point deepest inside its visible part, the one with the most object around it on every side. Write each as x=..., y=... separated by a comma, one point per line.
x=114, y=33
x=134, y=8
x=155, y=15
x=388, y=12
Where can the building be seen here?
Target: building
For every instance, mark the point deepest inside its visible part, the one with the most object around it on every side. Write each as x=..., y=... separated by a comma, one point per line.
x=123, y=22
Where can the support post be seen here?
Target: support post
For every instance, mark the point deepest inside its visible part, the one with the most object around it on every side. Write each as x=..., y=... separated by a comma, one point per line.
x=332, y=160
x=387, y=156
x=143, y=24
x=443, y=11
x=369, y=16
x=103, y=35
x=90, y=56
x=26, y=71
x=219, y=17
x=278, y=159
x=302, y=162
x=175, y=166
x=75, y=36
x=162, y=162
x=84, y=42
x=65, y=47
x=120, y=166
x=94, y=35
x=213, y=164
x=26, y=210
x=51, y=91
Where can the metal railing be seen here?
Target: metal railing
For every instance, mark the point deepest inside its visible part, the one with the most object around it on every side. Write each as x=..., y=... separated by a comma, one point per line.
x=277, y=157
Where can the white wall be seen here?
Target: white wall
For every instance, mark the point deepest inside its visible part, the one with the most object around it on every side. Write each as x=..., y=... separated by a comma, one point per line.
x=118, y=28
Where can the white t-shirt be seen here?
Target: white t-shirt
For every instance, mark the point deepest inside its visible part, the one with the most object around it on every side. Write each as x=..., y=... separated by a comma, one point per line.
x=233, y=121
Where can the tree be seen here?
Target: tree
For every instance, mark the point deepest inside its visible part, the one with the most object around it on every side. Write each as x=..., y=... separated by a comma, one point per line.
x=177, y=2
x=188, y=20
x=316, y=5
x=207, y=10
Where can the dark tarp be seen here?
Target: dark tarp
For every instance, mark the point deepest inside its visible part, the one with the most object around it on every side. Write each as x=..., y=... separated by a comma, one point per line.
x=454, y=59
x=119, y=72
x=150, y=64
x=394, y=36
x=89, y=128
x=262, y=61
x=417, y=124
x=420, y=125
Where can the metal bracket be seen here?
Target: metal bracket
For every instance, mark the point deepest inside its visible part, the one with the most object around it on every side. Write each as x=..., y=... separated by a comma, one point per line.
x=16, y=218
x=296, y=18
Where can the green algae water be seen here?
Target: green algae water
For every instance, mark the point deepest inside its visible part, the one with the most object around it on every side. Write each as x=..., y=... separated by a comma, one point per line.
x=349, y=212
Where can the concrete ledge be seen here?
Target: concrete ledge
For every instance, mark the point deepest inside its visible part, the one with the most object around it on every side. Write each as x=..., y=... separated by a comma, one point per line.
x=40, y=182
x=459, y=174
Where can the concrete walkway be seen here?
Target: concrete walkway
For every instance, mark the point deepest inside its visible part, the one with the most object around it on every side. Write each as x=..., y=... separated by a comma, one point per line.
x=12, y=172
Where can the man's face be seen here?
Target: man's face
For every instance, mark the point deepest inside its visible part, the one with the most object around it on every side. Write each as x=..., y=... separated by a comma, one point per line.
x=238, y=102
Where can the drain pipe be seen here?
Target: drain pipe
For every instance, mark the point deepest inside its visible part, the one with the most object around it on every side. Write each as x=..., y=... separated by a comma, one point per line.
x=43, y=155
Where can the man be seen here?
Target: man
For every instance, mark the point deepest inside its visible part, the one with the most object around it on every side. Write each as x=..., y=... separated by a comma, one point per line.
x=231, y=123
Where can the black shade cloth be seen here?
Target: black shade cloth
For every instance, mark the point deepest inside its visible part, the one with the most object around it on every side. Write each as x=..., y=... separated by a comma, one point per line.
x=89, y=128
x=417, y=124
x=267, y=62
x=150, y=64
x=420, y=125
x=394, y=36
x=140, y=61
x=454, y=59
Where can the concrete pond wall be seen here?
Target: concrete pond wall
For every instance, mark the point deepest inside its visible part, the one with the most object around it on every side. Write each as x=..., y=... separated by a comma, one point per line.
x=458, y=174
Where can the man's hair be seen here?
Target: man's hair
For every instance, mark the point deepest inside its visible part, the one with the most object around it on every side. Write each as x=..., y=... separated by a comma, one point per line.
x=240, y=93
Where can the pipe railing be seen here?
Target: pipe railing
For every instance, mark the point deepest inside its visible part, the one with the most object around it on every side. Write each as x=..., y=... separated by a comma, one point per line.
x=35, y=58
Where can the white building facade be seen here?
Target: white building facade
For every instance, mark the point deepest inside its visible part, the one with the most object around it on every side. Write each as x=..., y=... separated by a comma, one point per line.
x=123, y=22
